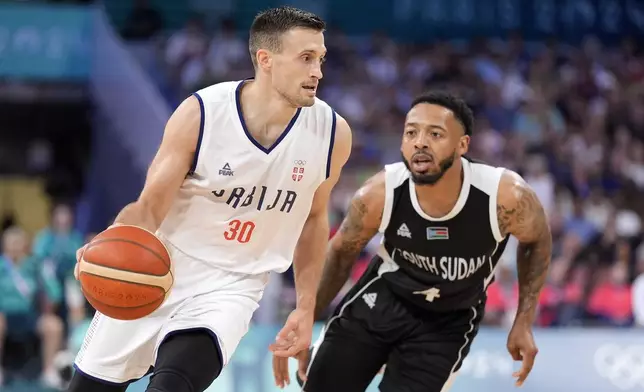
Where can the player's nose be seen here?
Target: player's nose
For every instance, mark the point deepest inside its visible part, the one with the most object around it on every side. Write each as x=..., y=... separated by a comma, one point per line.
x=421, y=142
x=316, y=72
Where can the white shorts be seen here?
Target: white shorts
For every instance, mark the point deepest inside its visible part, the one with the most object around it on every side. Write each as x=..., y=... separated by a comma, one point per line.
x=202, y=297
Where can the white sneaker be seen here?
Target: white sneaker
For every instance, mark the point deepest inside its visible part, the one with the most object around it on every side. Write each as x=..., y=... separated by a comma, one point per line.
x=51, y=379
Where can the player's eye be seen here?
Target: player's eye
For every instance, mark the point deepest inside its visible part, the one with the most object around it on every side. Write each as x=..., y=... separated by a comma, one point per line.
x=436, y=135
x=306, y=58
x=322, y=60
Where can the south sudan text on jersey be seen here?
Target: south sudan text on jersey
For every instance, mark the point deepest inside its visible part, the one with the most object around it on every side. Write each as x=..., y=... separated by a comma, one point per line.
x=447, y=267
x=259, y=197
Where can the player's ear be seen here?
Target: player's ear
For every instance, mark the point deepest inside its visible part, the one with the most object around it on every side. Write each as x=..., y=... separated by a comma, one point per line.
x=264, y=59
x=464, y=144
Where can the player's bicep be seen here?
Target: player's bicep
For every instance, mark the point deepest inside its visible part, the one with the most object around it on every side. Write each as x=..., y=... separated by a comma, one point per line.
x=174, y=157
x=519, y=210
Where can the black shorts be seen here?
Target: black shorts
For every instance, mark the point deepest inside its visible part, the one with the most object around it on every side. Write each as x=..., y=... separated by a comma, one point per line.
x=373, y=327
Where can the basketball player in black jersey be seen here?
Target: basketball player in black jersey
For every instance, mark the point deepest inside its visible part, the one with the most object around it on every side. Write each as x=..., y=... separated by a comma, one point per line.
x=446, y=221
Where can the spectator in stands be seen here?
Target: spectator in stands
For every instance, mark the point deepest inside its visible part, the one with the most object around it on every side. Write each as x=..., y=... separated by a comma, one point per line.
x=610, y=302
x=502, y=297
x=638, y=289
x=560, y=303
x=59, y=241
x=29, y=292
x=185, y=54
x=58, y=244
x=543, y=183
x=226, y=52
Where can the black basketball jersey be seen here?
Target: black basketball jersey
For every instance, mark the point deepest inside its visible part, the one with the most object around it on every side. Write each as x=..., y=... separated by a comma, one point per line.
x=443, y=263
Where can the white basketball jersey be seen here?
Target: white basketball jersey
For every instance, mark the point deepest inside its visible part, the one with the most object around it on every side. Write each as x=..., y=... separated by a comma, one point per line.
x=243, y=206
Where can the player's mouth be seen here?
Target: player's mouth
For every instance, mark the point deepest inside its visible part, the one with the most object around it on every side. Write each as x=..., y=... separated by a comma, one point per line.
x=310, y=89
x=421, y=162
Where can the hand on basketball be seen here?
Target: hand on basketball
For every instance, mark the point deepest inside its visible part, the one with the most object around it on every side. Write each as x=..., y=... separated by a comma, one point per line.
x=79, y=256
x=522, y=347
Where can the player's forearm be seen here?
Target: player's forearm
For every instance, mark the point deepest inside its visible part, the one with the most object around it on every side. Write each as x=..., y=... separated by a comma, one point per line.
x=138, y=214
x=309, y=260
x=337, y=269
x=533, y=261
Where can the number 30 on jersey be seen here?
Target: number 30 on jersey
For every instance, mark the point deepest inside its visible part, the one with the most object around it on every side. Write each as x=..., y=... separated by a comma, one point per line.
x=239, y=231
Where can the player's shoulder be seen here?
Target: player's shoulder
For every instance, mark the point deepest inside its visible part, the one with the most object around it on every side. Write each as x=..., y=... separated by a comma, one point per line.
x=509, y=186
x=320, y=103
x=395, y=174
x=389, y=178
x=218, y=92
x=320, y=109
x=484, y=176
x=372, y=193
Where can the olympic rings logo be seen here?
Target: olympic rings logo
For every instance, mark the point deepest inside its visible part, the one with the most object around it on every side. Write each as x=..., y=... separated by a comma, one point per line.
x=299, y=162
x=622, y=366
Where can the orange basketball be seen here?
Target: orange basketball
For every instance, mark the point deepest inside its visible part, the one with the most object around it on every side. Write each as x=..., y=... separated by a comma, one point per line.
x=125, y=272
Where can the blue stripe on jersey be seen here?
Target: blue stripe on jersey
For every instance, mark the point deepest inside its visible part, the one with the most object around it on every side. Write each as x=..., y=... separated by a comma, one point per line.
x=247, y=132
x=199, y=140
x=331, y=144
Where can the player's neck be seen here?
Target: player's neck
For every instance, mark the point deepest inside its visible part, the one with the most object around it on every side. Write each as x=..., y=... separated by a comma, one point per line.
x=264, y=107
x=443, y=195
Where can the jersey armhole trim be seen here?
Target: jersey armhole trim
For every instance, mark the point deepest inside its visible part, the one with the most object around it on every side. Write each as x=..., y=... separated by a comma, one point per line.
x=494, y=219
x=331, y=144
x=195, y=159
x=388, y=204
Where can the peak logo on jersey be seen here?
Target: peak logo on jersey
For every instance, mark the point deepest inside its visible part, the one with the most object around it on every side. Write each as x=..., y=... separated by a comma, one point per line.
x=403, y=231
x=298, y=169
x=447, y=267
x=437, y=233
x=259, y=197
x=226, y=170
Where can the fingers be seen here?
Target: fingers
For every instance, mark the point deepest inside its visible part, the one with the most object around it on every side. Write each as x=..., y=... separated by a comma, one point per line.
x=79, y=257
x=79, y=253
x=287, y=352
x=514, y=352
x=286, y=341
x=280, y=371
x=526, y=366
x=303, y=364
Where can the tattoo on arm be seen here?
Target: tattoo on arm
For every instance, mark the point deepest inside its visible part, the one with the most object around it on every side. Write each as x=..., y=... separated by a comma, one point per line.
x=526, y=220
x=344, y=249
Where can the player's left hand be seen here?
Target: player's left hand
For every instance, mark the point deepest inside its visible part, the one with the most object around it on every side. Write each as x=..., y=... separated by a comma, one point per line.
x=281, y=371
x=522, y=347
x=295, y=336
x=292, y=341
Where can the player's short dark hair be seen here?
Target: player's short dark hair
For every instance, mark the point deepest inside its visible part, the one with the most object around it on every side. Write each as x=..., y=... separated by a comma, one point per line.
x=269, y=25
x=458, y=106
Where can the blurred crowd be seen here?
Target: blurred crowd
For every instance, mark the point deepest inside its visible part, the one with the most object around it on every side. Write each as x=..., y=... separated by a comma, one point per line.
x=40, y=301
x=569, y=119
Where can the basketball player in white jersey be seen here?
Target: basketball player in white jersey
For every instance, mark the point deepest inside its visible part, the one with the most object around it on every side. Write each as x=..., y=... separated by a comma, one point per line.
x=239, y=188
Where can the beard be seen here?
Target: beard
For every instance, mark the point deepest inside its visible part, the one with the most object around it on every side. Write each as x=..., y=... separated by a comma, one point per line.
x=431, y=178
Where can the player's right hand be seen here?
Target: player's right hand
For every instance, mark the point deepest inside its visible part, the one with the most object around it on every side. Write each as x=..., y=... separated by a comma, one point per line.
x=281, y=371
x=79, y=256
